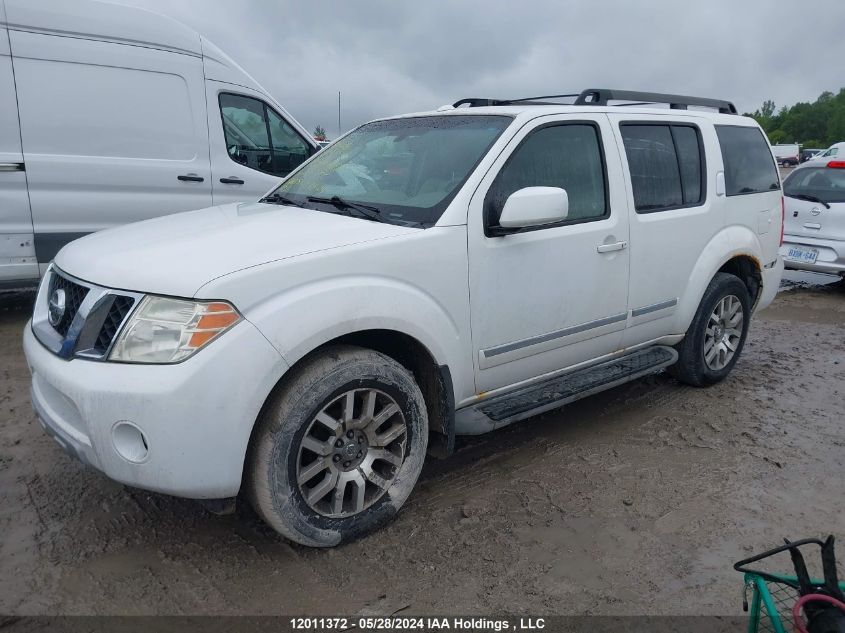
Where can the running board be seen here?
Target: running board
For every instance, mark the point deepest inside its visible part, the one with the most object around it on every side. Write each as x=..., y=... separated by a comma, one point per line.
x=555, y=392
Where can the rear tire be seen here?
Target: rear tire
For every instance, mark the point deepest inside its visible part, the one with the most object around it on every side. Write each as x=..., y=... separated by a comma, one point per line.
x=716, y=336
x=338, y=448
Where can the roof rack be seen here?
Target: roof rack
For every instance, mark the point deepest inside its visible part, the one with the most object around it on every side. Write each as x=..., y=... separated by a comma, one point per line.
x=601, y=96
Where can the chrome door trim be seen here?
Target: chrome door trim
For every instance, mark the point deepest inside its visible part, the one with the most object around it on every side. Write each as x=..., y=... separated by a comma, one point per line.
x=550, y=336
x=654, y=307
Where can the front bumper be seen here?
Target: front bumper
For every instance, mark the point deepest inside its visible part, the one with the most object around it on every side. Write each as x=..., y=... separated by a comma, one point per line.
x=180, y=429
x=831, y=258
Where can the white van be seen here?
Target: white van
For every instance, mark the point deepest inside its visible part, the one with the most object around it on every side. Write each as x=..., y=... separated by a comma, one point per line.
x=787, y=154
x=111, y=114
x=835, y=151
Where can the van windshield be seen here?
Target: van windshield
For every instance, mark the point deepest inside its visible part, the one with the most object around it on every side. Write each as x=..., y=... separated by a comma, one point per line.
x=402, y=171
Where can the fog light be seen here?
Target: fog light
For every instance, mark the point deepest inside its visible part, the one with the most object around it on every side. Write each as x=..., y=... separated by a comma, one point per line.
x=129, y=442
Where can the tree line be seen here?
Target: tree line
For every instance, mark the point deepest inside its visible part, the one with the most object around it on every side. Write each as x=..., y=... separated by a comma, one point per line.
x=818, y=125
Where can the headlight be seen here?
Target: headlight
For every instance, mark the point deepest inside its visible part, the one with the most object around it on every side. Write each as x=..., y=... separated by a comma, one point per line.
x=164, y=330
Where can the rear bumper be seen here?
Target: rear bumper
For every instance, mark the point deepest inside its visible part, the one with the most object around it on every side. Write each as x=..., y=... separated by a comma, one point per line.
x=771, y=284
x=831, y=258
x=179, y=429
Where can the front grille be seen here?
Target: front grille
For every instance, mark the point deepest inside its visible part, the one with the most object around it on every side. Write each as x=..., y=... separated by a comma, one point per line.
x=74, y=296
x=95, y=313
x=120, y=307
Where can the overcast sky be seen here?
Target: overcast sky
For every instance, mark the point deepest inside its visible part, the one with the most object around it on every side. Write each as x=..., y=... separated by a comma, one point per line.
x=391, y=56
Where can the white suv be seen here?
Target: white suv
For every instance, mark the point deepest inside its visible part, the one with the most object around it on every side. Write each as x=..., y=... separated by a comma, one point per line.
x=424, y=276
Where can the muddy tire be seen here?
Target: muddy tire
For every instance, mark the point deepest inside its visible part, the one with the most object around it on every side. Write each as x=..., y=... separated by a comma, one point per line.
x=716, y=336
x=338, y=448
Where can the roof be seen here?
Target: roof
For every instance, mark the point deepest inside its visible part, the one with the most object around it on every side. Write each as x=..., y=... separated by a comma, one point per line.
x=533, y=111
x=598, y=100
x=102, y=21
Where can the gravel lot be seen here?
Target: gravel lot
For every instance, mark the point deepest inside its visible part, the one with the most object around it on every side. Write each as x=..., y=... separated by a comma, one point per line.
x=634, y=501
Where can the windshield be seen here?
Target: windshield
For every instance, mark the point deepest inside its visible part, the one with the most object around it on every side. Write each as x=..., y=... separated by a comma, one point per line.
x=404, y=171
x=825, y=183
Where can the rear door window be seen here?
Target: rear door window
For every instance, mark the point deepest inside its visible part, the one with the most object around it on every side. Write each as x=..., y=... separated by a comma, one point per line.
x=749, y=164
x=666, y=162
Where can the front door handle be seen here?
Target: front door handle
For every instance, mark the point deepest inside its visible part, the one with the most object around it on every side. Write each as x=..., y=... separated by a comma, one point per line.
x=609, y=248
x=190, y=178
x=232, y=181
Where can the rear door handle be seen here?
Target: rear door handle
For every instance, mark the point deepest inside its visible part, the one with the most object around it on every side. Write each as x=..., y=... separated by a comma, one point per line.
x=12, y=167
x=191, y=178
x=609, y=248
x=232, y=181
x=812, y=225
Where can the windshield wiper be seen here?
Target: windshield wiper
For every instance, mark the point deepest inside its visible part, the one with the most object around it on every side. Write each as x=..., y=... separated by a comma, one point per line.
x=371, y=213
x=808, y=198
x=277, y=198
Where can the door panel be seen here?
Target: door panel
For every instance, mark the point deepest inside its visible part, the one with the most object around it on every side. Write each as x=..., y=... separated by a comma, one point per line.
x=547, y=299
x=17, y=251
x=261, y=148
x=111, y=134
x=679, y=231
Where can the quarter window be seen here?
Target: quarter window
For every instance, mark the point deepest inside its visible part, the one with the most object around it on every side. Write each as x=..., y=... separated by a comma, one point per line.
x=749, y=164
x=666, y=162
x=568, y=156
x=258, y=138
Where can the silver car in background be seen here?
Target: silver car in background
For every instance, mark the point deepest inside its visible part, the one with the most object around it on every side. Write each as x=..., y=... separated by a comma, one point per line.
x=814, y=209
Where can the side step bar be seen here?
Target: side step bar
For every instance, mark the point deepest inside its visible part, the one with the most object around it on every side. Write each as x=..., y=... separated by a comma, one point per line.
x=555, y=392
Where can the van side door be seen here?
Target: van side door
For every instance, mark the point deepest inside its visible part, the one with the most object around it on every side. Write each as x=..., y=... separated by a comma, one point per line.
x=112, y=133
x=552, y=296
x=252, y=145
x=17, y=252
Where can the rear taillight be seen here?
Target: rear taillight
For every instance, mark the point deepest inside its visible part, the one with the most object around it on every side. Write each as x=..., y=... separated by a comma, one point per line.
x=837, y=164
x=782, y=217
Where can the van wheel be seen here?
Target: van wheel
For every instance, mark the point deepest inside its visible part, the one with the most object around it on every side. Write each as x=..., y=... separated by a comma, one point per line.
x=338, y=447
x=715, y=338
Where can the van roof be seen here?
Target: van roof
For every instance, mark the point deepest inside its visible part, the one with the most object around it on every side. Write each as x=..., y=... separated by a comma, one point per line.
x=103, y=21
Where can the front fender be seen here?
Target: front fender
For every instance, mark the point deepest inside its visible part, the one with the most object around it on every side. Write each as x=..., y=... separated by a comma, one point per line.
x=731, y=241
x=302, y=318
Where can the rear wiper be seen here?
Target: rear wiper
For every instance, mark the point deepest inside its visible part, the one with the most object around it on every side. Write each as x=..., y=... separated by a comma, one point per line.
x=371, y=213
x=277, y=198
x=808, y=198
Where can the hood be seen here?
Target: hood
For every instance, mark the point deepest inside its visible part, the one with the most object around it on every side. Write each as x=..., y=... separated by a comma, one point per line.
x=178, y=254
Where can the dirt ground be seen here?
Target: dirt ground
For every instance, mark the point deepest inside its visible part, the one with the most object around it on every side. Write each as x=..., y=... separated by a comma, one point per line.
x=636, y=501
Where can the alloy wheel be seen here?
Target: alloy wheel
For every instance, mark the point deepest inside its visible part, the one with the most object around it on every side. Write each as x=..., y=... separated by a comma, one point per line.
x=351, y=452
x=723, y=332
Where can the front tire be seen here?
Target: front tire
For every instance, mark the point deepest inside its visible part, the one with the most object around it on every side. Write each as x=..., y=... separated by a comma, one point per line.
x=716, y=336
x=339, y=447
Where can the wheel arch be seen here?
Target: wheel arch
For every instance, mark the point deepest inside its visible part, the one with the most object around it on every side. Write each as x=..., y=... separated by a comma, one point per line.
x=434, y=380
x=735, y=250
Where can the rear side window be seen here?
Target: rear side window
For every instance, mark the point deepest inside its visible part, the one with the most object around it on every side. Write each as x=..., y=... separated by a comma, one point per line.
x=820, y=183
x=749, y=165
x=666, y=162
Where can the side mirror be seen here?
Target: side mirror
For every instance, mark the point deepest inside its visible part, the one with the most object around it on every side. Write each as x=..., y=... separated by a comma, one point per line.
x=533, y=206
